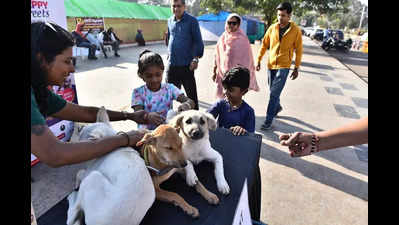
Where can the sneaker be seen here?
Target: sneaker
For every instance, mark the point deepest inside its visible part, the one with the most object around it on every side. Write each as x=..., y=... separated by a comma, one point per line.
x=266, y=126
x=116, y=55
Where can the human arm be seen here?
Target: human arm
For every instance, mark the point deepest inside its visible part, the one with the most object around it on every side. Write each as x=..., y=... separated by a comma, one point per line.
x=198, y=44
x=187, y=103
x=151, y=117
x=78, y=113
x=55, y=153
x=300, y=144
x=298, y=55
x=247, y=124
x=264, y=47
x=167, y=37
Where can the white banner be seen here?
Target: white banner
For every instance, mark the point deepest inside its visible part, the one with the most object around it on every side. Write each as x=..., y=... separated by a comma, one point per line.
x=54, y=11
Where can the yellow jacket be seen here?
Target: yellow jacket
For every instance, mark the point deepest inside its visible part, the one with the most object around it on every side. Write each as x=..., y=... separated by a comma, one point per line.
x=281, y=52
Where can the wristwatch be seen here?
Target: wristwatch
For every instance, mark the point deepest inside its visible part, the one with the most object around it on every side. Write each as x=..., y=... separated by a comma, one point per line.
x=195, y=60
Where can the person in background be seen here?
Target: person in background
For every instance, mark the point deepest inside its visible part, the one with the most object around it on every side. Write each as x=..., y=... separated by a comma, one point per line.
x=185, y=47
x=81, y=41
x=140, y=38
x=282, y=39
x=233, y=112
x=93, y=39
x=110, y=38
x=303, y=144
x=232, y=49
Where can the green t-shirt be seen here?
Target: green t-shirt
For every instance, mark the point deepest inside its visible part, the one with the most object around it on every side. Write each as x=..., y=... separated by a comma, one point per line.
x=55, y=104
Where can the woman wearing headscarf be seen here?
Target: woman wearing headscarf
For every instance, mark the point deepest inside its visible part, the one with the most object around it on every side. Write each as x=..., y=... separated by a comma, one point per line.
x=232, y=49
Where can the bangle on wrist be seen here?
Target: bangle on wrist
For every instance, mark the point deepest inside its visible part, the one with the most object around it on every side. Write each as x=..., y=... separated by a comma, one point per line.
x=145, y=117
x=124, y=115
x=126, y=135
x=315, y=143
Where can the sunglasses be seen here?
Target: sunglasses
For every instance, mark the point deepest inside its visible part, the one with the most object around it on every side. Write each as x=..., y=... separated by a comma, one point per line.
x=232, y=23
x=43, y=26
x=177, y=6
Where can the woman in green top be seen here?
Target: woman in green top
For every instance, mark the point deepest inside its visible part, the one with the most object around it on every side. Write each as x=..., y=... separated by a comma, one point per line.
x=51, y=64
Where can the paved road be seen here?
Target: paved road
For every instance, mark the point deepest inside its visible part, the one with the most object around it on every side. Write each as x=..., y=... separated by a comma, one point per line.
x=326, y=188
x=356, y=61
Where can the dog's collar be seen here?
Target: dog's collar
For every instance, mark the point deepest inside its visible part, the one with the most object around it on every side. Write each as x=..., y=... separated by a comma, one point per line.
x=153, y=170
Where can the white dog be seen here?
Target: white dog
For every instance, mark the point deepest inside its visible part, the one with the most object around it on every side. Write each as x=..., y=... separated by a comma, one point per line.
x=115, y=189
x=194, y=130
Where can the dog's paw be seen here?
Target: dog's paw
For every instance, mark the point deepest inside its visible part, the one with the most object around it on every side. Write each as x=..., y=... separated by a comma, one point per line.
x=212, y=199
x=191, y=211
x=191, y=180
x=223, y=187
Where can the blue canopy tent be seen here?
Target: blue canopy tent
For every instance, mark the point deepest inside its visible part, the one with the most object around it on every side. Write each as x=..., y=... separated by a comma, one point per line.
x=255, y=29
x=212, y=25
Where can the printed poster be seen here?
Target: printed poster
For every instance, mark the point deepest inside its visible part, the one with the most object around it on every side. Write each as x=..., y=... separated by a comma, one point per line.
x=54, y=11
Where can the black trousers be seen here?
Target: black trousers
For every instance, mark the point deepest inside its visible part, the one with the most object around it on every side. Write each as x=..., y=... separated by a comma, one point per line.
x=182, y=75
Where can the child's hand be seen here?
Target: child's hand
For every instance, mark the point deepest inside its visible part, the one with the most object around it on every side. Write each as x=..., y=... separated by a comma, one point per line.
x=184, y=106
x=237, y=130
x=155, y=118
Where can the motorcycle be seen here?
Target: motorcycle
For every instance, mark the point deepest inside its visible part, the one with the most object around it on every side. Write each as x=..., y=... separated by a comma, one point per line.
x=337, y=44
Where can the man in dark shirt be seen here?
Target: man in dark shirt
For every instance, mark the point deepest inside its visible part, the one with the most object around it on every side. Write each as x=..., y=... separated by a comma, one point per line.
x=185, y=47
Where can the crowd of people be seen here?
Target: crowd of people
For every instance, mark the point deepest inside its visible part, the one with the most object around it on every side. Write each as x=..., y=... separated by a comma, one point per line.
x=233, y=72
x=95, y=42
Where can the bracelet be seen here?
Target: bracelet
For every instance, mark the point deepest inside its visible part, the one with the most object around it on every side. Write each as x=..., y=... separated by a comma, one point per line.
x=124, y=115
x=145, y=117
x=315, y=144
x=195, y=60
x=126, y=135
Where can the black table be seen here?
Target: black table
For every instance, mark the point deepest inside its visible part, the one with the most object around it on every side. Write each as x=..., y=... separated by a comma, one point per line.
x=241, y=161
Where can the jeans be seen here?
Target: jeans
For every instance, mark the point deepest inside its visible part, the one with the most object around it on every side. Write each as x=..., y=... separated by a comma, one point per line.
x=276, y=80
x=182, y=75
x=92, y=48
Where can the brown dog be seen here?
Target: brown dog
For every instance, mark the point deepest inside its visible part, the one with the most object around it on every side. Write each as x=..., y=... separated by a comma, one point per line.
x=162, y=150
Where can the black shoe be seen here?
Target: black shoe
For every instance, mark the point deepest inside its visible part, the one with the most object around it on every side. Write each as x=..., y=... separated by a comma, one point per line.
x=105, y=56
x=116, y=55
x=278, y=111
x=266, y=126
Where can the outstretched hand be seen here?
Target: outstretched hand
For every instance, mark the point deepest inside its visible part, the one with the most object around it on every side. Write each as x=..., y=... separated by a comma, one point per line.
x=299, y=144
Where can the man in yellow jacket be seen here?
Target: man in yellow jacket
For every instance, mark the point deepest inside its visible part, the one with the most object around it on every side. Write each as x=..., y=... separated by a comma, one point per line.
x=282, y=39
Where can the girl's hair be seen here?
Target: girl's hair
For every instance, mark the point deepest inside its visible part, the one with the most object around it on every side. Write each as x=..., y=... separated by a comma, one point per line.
x=147, y=59
x=49, y=40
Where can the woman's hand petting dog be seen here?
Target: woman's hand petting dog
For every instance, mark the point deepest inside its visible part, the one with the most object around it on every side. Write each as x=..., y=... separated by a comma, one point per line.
x=135, y=136
x=237, y=130
x=155, y=118
x=183, y=107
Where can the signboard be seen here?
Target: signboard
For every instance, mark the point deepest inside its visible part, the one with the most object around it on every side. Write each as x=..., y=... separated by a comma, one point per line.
x=96, y=24
x=54, y=11
x=243, y=215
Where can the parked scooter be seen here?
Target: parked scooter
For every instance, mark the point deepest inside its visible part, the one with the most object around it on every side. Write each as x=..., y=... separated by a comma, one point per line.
x=337, y=44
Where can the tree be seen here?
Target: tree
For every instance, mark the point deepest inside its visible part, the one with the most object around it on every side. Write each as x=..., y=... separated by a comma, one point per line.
x=268, y=7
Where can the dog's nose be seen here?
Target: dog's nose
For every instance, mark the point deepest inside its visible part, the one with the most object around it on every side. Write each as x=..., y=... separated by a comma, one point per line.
x=197, y=134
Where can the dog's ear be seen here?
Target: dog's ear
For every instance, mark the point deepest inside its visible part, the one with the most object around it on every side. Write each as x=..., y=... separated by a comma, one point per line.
x=102, y=115
x=212, y=125
x=176, y=121
x=147, y=139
